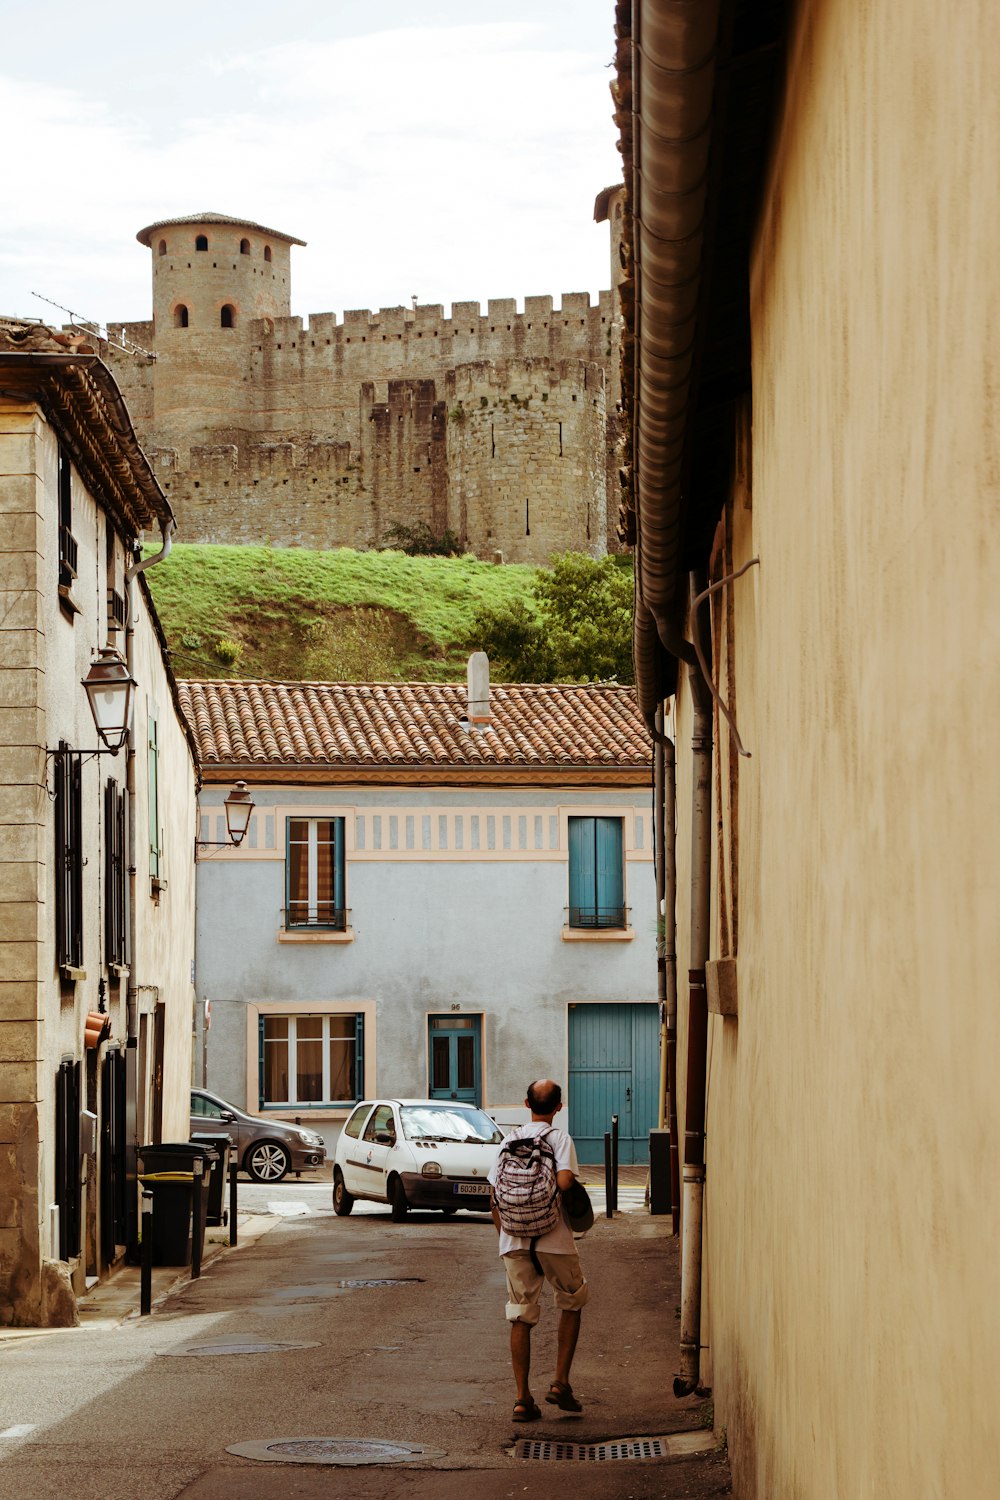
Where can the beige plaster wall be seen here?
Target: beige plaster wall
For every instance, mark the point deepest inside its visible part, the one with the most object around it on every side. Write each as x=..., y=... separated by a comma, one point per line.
x=853, y=1211
x=44, y=654
x=165, y=925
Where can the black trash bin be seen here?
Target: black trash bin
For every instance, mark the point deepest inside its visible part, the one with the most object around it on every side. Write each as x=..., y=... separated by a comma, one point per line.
x=217, y=1213
x=168, y=1171
x=172, y=1221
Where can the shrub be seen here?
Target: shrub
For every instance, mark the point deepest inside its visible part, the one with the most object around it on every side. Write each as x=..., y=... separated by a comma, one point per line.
x=419, y=540
x=228, y=651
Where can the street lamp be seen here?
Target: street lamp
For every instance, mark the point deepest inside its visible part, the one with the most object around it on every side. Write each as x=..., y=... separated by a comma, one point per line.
x=239, y=805
x=110, y=689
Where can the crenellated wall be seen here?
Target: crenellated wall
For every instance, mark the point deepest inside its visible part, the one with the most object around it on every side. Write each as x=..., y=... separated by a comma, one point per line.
x=322, y=432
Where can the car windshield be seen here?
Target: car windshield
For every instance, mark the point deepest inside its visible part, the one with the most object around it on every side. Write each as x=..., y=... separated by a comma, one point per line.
x=428, y=1122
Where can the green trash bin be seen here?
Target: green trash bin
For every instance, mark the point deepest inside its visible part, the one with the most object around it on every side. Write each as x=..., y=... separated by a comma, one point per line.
x=173, y=1194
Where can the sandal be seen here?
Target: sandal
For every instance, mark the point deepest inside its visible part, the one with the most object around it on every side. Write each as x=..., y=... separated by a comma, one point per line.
x=562, y=1396
x=525, y=1411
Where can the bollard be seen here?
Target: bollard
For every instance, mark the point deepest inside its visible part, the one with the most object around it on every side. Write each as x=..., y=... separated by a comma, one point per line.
x=146, y=1257
x=197, y=1210
x=614, y=1160
x=234, y=1167
x=608, y=1207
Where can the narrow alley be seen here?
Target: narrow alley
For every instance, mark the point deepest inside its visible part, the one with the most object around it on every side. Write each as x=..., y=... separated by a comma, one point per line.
x=118, y=1411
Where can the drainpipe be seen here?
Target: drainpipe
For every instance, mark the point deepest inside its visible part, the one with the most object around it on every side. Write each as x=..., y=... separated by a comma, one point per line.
x=659, y=863
x=665, y=833
x=693, y=1189
x=132, y=998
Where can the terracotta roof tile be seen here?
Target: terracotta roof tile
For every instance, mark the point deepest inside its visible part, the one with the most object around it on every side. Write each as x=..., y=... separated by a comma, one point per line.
x=412, y=724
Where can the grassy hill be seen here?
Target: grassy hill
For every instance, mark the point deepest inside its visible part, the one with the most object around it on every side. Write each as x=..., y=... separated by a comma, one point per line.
x=334, y=616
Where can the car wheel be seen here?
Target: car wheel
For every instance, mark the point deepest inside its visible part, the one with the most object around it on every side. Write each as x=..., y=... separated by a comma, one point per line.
x=397, y=1197
x=342, y=1200
x=266, y=1161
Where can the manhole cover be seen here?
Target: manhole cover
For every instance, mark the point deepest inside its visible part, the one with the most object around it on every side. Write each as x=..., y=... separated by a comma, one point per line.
x=624, y=1448
x=325, y=1450
x=236, y=1346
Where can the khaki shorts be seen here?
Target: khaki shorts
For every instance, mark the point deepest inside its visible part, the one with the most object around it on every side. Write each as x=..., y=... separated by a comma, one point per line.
x=524, y=1285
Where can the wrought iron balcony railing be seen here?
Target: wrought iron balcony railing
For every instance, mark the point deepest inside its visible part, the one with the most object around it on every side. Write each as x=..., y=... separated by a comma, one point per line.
x=598, y=916
x=314, y=916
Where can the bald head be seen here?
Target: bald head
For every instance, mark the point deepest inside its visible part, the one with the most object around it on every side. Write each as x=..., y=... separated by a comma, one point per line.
x=544, y=1098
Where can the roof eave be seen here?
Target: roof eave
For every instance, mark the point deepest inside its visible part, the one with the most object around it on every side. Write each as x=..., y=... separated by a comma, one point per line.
x=78, y=393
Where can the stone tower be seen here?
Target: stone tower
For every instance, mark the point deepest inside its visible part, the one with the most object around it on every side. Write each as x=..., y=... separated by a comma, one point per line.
x=212, y=276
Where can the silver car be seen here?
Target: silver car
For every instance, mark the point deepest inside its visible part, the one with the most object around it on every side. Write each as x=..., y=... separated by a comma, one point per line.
x=267, y=1150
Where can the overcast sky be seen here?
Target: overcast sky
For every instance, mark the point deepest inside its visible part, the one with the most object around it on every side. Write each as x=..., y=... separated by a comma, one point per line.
x=452, y=151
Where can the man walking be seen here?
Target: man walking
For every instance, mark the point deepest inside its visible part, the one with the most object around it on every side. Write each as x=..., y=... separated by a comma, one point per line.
x=531, y=1259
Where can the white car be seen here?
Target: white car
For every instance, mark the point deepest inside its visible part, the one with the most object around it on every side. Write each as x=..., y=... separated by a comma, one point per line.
x=415, y=1153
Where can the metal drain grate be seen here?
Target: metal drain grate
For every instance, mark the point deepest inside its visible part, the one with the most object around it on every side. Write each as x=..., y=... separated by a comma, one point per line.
x=627, y=1448
x=349, y=1452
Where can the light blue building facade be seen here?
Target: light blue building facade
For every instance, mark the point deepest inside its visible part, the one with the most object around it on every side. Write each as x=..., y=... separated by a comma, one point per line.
x=451, y=929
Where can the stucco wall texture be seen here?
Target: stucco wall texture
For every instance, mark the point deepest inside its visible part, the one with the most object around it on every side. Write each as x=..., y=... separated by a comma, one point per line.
x=325, y=433
x=852, y=1209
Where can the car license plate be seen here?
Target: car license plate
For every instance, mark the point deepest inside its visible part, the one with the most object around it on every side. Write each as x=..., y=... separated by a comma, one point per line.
x=479, y=1190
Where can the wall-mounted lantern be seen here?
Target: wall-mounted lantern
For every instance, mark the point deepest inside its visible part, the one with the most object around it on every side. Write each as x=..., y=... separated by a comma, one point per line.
x=110, y=689
x=239, y=806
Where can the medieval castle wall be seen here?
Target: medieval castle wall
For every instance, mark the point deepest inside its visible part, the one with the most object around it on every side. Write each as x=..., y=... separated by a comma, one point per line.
x=319, y=433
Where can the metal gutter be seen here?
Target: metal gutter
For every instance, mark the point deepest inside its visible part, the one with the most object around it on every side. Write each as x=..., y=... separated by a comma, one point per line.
x=673, y=82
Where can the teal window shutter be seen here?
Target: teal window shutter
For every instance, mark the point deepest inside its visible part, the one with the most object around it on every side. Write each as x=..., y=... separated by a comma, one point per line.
x=338, y=867
x=154, y=798
x=610, y=881
x=596, y=873
x=359, y=1055
x=582, y=873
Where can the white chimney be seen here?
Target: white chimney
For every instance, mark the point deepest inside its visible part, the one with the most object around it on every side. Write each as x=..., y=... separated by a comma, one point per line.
x=479, y=689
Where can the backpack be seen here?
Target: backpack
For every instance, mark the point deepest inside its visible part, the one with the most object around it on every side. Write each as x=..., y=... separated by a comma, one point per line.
x=526, y=1192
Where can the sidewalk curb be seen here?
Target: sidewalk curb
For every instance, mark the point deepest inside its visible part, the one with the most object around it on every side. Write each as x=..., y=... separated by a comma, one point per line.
x=115, y=1300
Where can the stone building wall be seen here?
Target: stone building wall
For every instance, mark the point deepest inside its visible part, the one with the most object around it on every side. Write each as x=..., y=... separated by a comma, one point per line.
x=322, y=433
x=510, y=459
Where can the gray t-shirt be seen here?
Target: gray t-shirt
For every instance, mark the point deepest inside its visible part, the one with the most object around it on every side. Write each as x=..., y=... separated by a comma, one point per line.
x=558, y=1241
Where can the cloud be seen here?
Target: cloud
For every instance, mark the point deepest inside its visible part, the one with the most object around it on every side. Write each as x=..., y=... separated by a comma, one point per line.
x=452, y=162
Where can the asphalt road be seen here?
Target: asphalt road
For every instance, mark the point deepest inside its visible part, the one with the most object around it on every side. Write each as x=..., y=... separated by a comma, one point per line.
x=112, y=1413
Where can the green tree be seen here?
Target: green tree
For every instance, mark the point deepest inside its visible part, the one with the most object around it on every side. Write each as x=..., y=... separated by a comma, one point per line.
x=586, y=606
x=514, y=639
x=580, y=629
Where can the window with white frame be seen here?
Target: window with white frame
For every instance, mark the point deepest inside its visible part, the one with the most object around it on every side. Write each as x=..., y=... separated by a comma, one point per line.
x=311, y=1060
x=314, y=874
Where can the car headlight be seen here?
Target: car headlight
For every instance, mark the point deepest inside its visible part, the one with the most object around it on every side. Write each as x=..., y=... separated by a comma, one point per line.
x=310, y=1138
x=431, y=1169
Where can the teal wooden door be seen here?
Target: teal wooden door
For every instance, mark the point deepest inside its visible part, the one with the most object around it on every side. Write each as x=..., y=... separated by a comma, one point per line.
x=455, y=1066
x=614, y=1069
